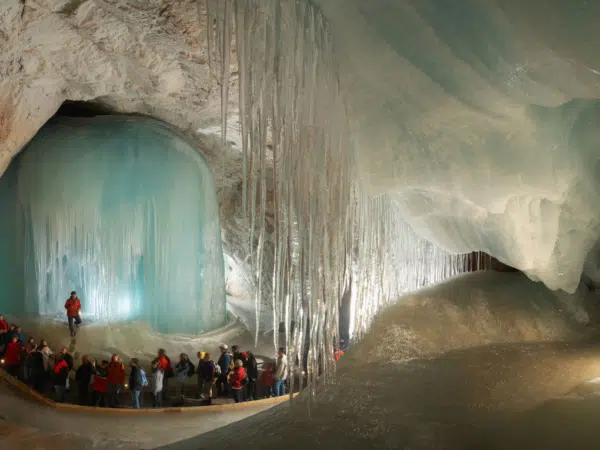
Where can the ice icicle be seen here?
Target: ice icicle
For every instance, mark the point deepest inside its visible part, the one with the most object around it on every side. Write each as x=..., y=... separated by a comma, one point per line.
x=328, y=236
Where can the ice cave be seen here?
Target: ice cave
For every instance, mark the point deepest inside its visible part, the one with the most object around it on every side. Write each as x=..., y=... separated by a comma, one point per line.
x=416, y=178
x=120, y=209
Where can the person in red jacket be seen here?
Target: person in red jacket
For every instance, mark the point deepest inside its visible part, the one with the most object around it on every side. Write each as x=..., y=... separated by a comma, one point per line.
x=100, y=384
x=268, y=380
x=116, y=380
x=3, y=324
x=237, y=380
x=60, y=377
x=73, y=307
x=12, y=356
x=4, y=338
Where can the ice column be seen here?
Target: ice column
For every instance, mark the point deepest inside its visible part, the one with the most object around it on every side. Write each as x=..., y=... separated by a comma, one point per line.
x=122, y=210
x=329, y=234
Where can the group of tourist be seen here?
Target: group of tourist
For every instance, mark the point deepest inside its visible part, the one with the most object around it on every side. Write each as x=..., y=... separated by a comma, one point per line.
x=101, y=383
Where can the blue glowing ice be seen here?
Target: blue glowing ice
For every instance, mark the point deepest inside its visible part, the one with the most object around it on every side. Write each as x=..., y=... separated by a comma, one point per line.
x=122, y=210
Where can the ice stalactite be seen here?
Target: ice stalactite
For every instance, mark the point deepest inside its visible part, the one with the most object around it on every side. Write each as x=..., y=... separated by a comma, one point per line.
x=122, y=210
x=330, y=235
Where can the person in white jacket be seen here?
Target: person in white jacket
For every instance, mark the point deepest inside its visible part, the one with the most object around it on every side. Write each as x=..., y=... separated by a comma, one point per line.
x=281, y=373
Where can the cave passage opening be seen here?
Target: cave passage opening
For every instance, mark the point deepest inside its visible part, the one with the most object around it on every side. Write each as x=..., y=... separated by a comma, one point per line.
x=121, y=209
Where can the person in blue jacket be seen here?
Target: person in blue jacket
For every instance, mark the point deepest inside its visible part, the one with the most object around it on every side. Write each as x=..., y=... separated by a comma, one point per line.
x=224, y=363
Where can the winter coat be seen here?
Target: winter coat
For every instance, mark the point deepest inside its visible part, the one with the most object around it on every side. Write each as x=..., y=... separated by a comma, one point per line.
x=252, y=368
x=35, y=363
x=61, y=373
x=3, y=325
x=224, y=363
x=165, y=365
x=72, y=306
x=100, y=382
x=200, y=370
x=208, y=371
x=237, y=378
x=69, y=360
x=12, y=354
x=46, y=352
x=157, y=381
x=281, y=370
x=7, y=337
x=30, y=347
x=116, y=373
x=267, y=379
x=182, y=370
x=135, y=379
x=83, y=376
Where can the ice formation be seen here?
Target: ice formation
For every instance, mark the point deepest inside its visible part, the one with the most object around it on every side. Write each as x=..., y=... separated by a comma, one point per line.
x=478, y=119
x=122, y=210
x=330, y=234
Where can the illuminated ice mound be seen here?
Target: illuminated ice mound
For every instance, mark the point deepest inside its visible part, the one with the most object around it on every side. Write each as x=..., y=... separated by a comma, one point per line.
x=472, y=310
x=122, y=210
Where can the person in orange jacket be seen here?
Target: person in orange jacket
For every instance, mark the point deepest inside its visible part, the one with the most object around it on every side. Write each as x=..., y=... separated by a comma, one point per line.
x=73, y=307
x=116, y=379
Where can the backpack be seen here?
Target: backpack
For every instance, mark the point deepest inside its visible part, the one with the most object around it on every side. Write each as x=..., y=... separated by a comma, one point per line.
x=191, y=369
x=143, y=379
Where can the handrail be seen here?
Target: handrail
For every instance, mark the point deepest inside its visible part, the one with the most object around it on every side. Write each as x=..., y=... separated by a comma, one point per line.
x=179, y=409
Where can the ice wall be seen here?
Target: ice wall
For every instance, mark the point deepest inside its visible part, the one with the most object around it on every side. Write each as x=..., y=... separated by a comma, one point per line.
x=122, y=210
x=479, y=118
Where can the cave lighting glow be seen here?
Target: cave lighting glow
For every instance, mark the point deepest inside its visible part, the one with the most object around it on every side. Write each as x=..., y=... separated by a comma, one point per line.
x=122, y=210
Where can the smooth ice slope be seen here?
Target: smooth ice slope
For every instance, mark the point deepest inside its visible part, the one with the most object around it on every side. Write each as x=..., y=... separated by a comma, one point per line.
x=124, y=211
x=480, y=118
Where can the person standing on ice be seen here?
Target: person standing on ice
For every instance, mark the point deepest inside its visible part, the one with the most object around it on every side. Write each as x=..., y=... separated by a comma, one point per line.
x=224, y=367
x=116, y=380
x=208, y=373
x=73, y=307
x=281, y=373
x=158, y=377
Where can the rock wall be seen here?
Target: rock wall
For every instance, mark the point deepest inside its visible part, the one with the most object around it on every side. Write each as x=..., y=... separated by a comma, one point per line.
x=135, y=56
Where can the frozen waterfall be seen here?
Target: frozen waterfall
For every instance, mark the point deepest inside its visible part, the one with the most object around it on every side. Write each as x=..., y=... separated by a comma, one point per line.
x=122, y=210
